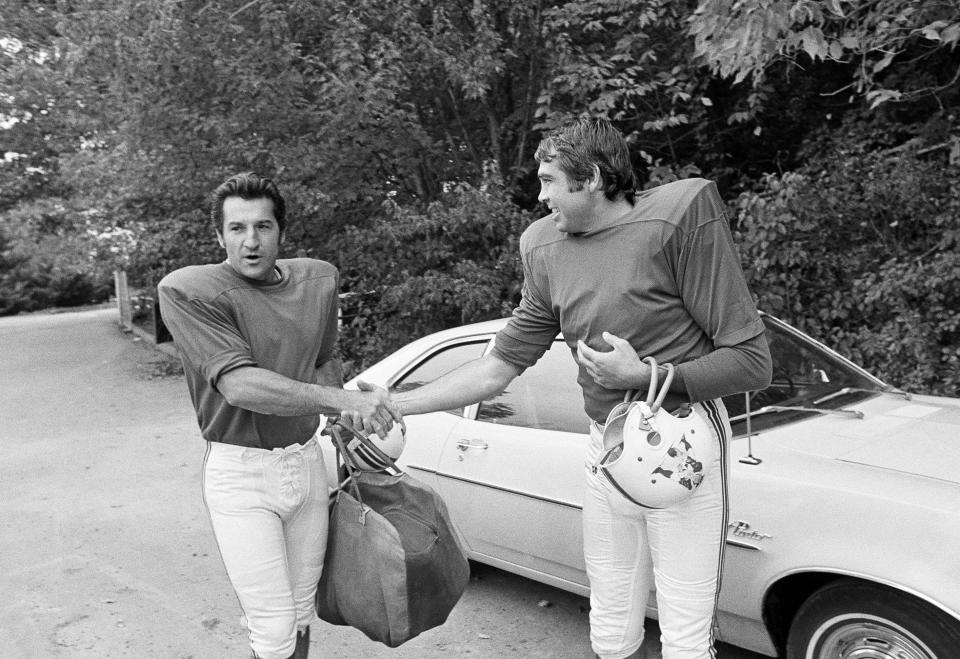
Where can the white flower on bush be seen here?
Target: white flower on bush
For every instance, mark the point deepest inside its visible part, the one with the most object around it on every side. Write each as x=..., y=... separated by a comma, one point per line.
x=112, y=243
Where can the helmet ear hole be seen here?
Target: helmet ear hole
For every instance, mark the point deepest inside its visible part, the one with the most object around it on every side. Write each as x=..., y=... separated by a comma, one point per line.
x=657, y=459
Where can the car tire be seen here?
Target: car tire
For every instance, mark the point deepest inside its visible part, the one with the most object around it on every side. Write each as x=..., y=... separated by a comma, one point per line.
x=855, y=619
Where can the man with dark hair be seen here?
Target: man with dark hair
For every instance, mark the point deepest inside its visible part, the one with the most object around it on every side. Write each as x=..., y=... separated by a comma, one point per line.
x=257, y=337
x=625, y=275
x=247, y=186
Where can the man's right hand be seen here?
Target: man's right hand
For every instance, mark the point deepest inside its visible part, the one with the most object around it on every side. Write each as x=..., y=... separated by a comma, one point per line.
x=372, y=410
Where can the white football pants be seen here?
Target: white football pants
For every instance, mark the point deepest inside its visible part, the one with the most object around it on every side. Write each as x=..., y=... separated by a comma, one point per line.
x=681, y=547
x=270, y=516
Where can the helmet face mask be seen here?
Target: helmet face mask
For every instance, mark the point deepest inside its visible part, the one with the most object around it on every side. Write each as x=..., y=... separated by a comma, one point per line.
x=368, y=459
x=652, y=457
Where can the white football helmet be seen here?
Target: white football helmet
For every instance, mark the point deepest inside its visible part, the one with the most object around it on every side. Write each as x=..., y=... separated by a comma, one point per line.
x=361, y=448
x=654, y=458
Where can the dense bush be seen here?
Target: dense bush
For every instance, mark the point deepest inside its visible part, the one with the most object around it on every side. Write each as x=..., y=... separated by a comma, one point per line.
x=48, y=258
x=860, y=249
x=411, y=273
x=165, y=245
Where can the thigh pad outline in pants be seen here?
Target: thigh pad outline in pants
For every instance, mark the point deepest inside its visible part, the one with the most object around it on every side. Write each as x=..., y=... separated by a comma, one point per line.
x=686, y=548
x=618, y=566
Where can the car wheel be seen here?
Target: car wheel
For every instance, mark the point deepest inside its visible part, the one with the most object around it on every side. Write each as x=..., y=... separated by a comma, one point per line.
x=854, y=620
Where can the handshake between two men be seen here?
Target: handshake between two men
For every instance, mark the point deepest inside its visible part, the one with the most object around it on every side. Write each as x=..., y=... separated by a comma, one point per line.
x=372, y=410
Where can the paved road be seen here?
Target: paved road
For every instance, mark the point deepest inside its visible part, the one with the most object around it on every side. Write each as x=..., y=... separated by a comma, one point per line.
x=105, y=550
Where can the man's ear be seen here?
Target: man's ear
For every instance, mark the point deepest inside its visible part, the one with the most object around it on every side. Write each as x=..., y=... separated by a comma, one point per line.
x=220, y=240
x=595, y=182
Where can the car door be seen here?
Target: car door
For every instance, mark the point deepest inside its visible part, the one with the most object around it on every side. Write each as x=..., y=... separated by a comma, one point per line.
x=511, y=472
x=427, y=433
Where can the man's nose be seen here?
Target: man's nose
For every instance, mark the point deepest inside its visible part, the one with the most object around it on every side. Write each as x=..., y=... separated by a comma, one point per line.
x=252, y=238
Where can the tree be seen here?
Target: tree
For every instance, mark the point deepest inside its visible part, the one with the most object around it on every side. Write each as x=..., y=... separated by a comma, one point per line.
x=884, y=43
x=38, y=117
x=626, y=61
x=402, y=132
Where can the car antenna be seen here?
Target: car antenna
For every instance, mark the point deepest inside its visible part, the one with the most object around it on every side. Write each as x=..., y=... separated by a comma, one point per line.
x=749, y=459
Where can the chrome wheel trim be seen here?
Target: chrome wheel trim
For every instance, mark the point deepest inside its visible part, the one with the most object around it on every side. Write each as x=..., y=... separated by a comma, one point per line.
x=864, y=636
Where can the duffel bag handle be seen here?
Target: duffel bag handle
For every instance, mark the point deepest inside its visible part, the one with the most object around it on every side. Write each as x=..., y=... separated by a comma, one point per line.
x=346, y=457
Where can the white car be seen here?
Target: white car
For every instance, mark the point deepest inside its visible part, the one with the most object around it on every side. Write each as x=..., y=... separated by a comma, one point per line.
x=844, y=532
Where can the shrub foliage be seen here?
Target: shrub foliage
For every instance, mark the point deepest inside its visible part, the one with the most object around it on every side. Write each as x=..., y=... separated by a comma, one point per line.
x=860, y=249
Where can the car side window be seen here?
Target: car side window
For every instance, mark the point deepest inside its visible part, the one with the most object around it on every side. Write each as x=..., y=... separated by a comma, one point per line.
x=545, y=396
x=439, y=363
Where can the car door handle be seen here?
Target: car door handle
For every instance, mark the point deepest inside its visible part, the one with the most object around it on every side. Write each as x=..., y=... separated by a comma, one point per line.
x=466, y=444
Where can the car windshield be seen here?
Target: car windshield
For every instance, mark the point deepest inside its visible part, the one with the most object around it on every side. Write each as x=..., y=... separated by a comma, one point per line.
x=805, y=375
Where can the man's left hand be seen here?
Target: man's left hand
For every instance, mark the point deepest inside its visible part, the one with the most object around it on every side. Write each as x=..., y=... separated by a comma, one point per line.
x=620, y=368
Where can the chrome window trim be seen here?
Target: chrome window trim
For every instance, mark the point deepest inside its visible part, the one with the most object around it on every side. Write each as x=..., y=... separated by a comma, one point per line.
x=420, y=358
